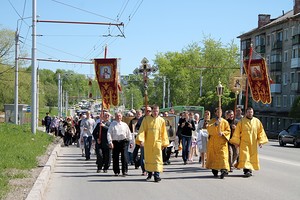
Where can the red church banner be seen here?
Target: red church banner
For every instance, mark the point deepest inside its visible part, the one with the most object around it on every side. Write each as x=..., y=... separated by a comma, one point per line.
x=107, y=77
x=257, y=74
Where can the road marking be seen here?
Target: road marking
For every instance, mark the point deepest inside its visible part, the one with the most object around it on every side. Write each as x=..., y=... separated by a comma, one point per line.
x=279, y=160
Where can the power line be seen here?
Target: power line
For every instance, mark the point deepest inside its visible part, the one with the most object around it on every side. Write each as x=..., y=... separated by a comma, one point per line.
x=83, y=10
x=133, y=12
x=23, y=14
x=14, y=8
x=122, y=10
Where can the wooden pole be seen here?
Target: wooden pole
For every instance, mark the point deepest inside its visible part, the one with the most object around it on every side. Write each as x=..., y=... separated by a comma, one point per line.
x=235, y=103
x=248, y=75
x=220, y=114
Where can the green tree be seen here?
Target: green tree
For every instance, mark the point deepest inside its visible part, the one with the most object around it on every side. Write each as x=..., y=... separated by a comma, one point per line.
x=295, y=110
x=213, y=60
x=7, y=41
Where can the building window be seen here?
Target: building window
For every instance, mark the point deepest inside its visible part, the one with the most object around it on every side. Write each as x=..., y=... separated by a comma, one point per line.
x=279, y=36
x=296, y=52
x=277, y=78
x=276, y=58
x=286, y=34
x=292, y=99
x=260, y=40
x=273, y=38
x=285, y=58
x=268, y=59
x=278, y=101
x=284, y=78
x=293, y=31
x=268, y=40
x=284, y=101
x=293, y=77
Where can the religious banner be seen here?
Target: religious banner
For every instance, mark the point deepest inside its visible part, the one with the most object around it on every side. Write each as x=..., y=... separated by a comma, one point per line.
x=107, y=77
x=258, y=78
x=171, y=126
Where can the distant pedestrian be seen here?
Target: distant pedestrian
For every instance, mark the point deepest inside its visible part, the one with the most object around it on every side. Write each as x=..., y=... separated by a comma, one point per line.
x=47, y=121
x=202, y=137
x=69, y=130
x=249, y=134
x=233, y=151
x=186, y=127
x=88, y=125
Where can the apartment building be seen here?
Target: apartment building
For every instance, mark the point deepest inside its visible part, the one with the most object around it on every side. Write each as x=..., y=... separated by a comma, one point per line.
x=278, y=41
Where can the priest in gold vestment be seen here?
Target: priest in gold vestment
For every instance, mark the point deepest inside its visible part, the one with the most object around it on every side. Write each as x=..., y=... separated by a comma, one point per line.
x=154, y=137
x=248, y=135
x=217, y=146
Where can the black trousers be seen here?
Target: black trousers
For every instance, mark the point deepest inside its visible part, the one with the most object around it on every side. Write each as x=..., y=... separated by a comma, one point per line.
x=166, y=152
x=120, y=147
x=135, y=157
x=103, y=157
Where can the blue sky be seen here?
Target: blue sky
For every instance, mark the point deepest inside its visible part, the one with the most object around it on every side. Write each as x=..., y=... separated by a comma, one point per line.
x=150, y=27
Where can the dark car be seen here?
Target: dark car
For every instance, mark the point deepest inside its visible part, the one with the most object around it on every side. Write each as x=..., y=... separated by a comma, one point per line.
x=291, y=135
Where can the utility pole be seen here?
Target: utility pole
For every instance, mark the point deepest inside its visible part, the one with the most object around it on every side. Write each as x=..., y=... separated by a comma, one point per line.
x=37, y=97
x=66, y=103
x=16, y=106
x=58, y=95
x=169, y=82
x=201, y=81
x=33, y=72
x=164, y=92
x=131, y=100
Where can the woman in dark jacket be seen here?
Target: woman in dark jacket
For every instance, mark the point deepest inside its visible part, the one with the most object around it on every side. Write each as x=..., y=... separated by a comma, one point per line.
x=185, y=127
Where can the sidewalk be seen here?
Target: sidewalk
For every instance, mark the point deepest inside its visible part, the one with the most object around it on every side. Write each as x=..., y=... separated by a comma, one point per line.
x=40, y=184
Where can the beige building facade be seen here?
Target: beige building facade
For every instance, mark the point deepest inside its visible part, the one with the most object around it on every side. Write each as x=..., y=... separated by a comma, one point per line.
x=278, y=41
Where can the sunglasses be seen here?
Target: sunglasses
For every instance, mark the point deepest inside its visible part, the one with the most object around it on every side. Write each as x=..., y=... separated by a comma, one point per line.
x=148, y=110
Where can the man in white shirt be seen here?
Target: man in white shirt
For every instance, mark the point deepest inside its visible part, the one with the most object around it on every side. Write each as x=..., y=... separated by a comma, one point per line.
x=118, y=137
x=87, y=126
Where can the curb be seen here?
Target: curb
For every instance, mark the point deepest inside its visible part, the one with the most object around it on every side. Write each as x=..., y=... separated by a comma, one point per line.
x=38, y=189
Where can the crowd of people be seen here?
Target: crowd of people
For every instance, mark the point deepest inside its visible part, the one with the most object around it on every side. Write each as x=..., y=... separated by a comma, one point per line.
x=221, y=144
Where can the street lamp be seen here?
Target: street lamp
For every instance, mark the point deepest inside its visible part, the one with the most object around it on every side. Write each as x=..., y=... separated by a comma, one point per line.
x=16, y=97
x=220, y=90
x=145, y=69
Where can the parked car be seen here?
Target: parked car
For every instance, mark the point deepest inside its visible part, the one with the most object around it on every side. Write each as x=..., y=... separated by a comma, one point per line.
x=291, y=135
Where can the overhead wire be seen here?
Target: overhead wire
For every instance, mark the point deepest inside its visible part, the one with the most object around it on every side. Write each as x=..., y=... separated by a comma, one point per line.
x=108, y=40
x=83, y=10
x=23, y=15
x=14, y=8
x=132, y=14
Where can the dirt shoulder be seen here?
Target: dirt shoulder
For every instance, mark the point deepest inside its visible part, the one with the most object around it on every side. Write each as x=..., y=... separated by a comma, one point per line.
x=20, y=188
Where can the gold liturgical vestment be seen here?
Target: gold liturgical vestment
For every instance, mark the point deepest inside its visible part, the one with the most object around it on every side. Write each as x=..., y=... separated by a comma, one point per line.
x=154, y=134
x=217, y=146
x=248, y=135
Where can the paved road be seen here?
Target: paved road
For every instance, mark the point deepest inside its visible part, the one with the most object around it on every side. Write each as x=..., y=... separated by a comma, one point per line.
x=74, y=178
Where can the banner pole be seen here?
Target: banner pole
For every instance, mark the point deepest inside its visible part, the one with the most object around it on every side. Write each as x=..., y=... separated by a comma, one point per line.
x=247, y=81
